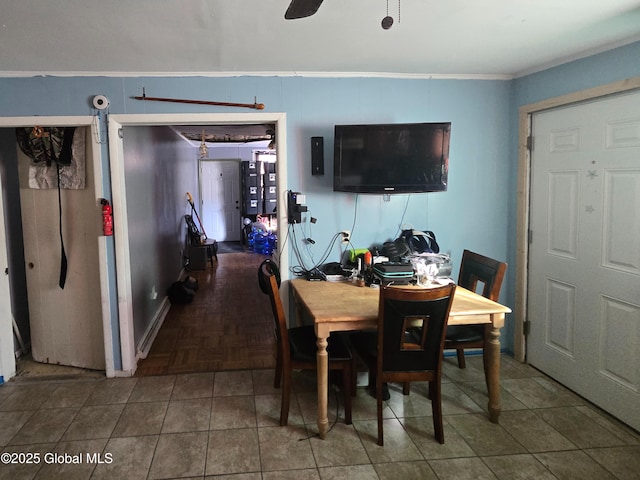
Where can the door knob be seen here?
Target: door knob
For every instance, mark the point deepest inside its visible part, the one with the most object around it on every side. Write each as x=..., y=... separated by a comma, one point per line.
x=31, y=265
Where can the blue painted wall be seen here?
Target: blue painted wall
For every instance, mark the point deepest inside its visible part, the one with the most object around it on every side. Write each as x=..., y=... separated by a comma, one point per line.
x=478, y=210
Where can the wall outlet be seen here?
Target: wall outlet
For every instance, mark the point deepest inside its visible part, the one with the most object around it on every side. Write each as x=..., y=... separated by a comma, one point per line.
x=346, y=237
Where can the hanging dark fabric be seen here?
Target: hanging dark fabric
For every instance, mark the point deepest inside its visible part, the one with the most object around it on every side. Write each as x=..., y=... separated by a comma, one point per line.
x=50, y=145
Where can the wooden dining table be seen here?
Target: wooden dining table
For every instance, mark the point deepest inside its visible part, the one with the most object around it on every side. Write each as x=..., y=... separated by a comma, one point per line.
x=344, y=306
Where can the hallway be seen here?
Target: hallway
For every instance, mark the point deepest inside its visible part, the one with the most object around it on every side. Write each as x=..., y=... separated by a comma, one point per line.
x=228, y=326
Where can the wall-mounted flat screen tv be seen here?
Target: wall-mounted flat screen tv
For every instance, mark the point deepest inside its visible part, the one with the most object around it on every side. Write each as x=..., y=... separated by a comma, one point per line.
x=391, y=158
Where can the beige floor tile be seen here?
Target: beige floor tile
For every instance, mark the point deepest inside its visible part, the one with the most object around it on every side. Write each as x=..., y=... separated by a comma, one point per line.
x=94, y=421
x=308, y=404
x=179, y=455
x=263, y=382
x=540, y=392
x=356, y=472
x=582, y=430
x=141, y=419
x=285, y=448
x=518, y=467
x=112, y=390
x=193, y=385
x=131, y=458
x=341, y=447
x=484, y=437
x=533, y=432
x=420, y=429
x=26, y=397
x=233, y=451
x=617, y=428
x=233, y=412
x=153, y=389
x=45, y=426
x=233, y=383
x=307, y=474
x=11, y=423
x=191, y=415
x=419, y=470
x=70, y=395
x=268, y=410
x=573, y=465
x=398, y=446
x=477, y=391
x=17, y=470
x=623, y=462
x=462, y=469
x=72, y=460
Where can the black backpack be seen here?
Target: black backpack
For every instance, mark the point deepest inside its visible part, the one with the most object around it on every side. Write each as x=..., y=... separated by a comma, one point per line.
x=421, y=241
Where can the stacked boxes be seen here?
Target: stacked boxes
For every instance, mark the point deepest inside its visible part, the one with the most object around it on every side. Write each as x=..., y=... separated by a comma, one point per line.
x=252, y=194
x=259, y=196
x=269, y=184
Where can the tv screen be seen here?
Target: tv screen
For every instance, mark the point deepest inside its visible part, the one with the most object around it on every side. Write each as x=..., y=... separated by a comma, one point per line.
x=391, y=158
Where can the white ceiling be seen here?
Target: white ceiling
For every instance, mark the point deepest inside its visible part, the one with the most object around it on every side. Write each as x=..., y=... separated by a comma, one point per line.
x=481, y=38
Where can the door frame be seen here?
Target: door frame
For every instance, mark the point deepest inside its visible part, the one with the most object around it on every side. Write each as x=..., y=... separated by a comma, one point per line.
x=525, y=114
x=119, y=200
x=8, y=364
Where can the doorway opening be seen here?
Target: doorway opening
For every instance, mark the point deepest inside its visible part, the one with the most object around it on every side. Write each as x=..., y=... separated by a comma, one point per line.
x=123, y=265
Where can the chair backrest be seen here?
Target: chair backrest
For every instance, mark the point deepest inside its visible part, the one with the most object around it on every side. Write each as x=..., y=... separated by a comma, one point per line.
x=399, y=310
x=269, y=281
x=477, y=268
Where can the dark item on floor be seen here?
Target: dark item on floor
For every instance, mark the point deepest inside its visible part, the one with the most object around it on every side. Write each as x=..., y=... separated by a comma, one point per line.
x=296, y=347
x=394, y=357
x=179, y=293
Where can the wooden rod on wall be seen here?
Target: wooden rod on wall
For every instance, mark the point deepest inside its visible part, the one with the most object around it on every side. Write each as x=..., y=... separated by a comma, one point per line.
x=254, y=105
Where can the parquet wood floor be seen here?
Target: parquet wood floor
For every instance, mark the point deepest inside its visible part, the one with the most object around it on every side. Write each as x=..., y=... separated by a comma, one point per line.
x=228, y=326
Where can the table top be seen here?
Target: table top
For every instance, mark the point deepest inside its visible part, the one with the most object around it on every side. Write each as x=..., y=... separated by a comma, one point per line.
x=339, y=302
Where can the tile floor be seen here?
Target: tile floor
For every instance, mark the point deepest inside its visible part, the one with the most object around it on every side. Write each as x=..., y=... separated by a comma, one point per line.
x=224, y=425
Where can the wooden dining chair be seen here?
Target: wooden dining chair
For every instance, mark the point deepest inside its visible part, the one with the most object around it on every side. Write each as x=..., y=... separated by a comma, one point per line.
x=296, y=347
x=396, y=357
x=475, y=269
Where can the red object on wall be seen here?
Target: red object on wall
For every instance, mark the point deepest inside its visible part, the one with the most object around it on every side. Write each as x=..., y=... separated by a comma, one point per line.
x=107, y=218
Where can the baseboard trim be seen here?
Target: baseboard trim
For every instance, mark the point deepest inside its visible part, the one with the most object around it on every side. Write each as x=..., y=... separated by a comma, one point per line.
x=142, y=350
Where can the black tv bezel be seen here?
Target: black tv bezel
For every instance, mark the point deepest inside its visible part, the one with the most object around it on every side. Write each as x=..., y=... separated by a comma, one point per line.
x=391, y=189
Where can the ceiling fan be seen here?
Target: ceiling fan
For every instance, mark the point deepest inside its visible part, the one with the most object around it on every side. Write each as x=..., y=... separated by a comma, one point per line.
x=302, y=8
x=306, y=8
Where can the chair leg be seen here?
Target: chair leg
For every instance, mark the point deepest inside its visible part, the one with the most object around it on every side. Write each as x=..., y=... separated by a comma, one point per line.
x=461, y=362
x=406, y=388
x=436, y=408
x=379, y=405
x=286, y=397
x=346, y=391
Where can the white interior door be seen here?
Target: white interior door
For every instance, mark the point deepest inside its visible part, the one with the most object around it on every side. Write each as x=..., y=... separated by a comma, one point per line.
x=584, y=257
x=66, y=324
x=220, y=194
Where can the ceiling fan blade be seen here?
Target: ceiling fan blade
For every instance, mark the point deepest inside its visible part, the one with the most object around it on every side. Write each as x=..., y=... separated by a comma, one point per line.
x=302, y=8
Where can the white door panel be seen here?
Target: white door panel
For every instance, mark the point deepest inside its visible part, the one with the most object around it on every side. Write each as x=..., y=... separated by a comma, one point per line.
x=66, y=324
x=584, y=257
x=220, y=194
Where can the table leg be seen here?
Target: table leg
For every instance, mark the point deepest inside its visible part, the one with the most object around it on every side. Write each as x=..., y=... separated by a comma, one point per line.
x=492, y=372
x=323, y=386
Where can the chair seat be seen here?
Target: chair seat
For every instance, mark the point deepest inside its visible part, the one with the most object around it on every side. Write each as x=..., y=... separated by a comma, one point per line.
x=302, y=341
x=465, y=333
